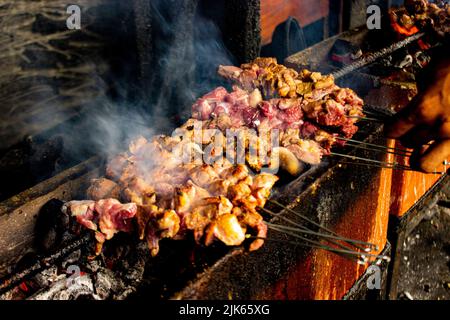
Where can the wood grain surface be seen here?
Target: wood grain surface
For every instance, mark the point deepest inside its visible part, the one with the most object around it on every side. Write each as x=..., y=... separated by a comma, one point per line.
x=273, y=12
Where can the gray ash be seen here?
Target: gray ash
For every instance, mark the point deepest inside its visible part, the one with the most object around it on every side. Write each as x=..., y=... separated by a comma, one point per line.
x=79, y=277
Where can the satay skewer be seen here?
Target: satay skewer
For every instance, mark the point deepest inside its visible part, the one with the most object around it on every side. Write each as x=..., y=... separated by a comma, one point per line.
x=303, y=217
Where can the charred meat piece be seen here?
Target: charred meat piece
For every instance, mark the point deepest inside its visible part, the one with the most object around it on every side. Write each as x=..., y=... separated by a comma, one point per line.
x=103, y=188
x=50, y=227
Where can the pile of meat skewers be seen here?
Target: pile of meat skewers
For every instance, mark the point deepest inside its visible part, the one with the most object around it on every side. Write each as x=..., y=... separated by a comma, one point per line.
x=172, y=186
x=309, y=110
x=421, y=15
x=169, y=198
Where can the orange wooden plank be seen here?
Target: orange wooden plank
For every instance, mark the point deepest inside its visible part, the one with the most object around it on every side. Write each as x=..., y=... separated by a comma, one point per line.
x=366, y=220
x=409, y=187
x=273, y=12
x=324, y=275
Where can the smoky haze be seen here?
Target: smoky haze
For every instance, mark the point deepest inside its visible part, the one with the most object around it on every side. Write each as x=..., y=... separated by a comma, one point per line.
x=187, y=48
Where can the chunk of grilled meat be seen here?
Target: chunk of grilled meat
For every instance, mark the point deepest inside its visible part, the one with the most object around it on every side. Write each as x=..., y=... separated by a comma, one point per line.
x=106, y=217
x=103, y=188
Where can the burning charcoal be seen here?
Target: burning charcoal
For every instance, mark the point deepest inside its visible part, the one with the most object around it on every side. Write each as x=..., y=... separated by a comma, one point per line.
x=125, y=293
x=47, y=277
x=65, y=290
x=93, y=265
x=136, y=273
x=50, y=226
x=106, y=283
x=135, y=270
x=73, y=258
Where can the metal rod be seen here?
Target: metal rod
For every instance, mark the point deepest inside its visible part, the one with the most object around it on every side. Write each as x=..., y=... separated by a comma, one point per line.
x=351, y=252
x=371, y=58
x=361, y=146
x=374, y=145
x=317, y=244
x=393, y=164
x=371, y=165
x=379, y=110
x=378, y=116
x=377, y=113
x=307, y=231
x=311, y=232
x=326, y=236
x=296, y=243
x=365, y=118
x=361, y=254
x=396, y=151
x=385, y=167
x=321, y=226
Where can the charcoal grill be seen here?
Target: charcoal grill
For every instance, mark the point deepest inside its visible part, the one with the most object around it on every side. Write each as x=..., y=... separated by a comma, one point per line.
x=349, y=199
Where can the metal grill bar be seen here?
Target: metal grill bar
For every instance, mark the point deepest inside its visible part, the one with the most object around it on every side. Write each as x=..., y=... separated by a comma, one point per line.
x=371, y=58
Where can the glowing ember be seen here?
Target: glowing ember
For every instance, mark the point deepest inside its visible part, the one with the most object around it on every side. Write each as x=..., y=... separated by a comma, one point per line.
x=403, y=30
x=23, y=286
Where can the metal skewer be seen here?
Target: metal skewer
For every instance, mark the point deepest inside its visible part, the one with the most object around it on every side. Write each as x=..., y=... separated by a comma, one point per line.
x=393, y=164
x=308, y=245
x=377, y=113
x=371, y=58
x=303, y=229
x=365, y=118
x=371, y=165
x=325, y=237
x=375, y=145
x=363, y=255
x=361, y=146
x=352, y=241
x=349, y=254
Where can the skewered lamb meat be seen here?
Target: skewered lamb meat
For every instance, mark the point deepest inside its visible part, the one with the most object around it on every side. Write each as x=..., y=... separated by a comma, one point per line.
x=171, y=189
x=106, y=217
x=169, y=198
x=275, y=80
x=308, y=109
